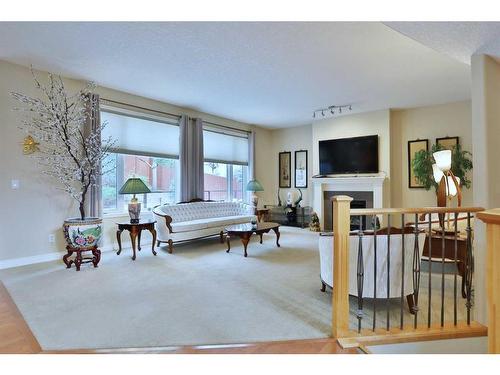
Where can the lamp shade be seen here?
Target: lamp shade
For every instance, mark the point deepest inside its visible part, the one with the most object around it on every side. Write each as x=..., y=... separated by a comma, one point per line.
x=134, y=185
x=443, y=160
x=437, y=173
x=254, y=185
x=451, y=188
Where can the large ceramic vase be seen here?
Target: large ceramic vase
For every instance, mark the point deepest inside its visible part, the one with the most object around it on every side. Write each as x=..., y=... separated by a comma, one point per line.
x=83, y=234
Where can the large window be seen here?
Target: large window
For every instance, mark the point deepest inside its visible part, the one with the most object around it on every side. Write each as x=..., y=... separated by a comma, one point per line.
x=146, y=147
x=225, y=182
x=226, y=164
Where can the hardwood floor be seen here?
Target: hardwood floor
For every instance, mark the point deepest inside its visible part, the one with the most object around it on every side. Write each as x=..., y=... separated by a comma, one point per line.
x=16, y=337
x=312, y=346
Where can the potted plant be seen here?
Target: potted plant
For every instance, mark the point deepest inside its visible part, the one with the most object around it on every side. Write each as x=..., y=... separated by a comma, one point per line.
x=461, y=164
x=67, y=153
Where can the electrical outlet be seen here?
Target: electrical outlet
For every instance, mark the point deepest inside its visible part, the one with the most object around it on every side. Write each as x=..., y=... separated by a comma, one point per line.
x=14, y=184
x=52, y=238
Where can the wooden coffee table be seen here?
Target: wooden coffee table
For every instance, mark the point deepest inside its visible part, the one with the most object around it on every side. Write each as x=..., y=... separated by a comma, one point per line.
x=245, y=231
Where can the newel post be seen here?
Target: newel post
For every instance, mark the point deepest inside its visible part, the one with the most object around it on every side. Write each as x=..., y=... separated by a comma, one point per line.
x=340, y=296
x=492, y=220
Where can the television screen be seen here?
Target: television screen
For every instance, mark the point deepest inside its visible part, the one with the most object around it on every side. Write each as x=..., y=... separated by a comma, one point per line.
x=349, y=155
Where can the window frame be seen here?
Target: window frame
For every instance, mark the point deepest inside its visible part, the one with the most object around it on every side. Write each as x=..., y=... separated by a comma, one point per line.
x=233, y=132
x=165, y=119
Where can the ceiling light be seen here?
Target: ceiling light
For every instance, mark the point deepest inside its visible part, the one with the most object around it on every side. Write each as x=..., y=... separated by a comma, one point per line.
x=331, y=109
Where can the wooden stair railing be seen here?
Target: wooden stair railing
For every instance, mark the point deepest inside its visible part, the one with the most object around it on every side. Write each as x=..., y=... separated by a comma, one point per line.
x=402, y=332
x=492, y=220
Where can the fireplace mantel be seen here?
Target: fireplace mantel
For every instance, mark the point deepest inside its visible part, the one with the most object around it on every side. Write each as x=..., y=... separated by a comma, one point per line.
x=373, y=183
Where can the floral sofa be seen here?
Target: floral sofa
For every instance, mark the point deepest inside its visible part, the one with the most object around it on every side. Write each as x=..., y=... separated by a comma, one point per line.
x=188, y=221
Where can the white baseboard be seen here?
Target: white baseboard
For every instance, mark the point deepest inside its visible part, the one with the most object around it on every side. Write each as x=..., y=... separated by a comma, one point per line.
x=57, y=255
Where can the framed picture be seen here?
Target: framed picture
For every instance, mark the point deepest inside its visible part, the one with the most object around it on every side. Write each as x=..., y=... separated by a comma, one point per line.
x=301, y=169
x=414, y=147
x=447, y=142
x=285, y=169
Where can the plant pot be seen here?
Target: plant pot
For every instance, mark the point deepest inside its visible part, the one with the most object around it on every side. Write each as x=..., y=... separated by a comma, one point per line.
x=83, y=234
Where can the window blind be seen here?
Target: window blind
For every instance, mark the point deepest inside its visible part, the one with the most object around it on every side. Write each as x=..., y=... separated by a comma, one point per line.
x=225, y=146
x=141, y=134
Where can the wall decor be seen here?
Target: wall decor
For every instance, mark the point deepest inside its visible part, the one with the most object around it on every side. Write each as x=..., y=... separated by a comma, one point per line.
x=30, y=146
x=447, y=143
x=285, y=169
x=414, y=147
x=301, y=169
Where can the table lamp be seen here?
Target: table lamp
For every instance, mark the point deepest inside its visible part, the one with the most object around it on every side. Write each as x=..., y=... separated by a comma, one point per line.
x=253, y=186
x=134, y=185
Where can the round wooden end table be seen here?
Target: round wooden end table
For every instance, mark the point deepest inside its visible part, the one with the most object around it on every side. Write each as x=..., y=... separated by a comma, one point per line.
x=135, y=230
x=245, y=231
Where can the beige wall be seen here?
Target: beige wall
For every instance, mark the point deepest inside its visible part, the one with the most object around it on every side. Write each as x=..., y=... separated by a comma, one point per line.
x=432, y=122
x=363, y=124
x=38, y=208
x=289, y=139
x=486, y=151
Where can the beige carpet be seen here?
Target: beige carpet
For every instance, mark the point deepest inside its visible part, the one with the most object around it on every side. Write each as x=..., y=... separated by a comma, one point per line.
x=198, y=295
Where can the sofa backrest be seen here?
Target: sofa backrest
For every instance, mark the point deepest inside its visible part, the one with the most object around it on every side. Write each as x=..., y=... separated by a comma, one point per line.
x=203, y=210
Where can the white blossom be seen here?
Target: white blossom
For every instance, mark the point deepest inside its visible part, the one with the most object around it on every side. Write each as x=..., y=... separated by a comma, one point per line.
x=67, y=154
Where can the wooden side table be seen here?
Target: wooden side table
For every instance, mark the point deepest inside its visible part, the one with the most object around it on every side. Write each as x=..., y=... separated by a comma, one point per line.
x=79, y=259
x=135, y=230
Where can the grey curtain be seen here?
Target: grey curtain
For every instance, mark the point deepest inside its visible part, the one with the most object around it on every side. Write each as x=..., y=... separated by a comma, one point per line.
x=251, y=161
x=191, y=158
x=93, y=124
x=251, y=155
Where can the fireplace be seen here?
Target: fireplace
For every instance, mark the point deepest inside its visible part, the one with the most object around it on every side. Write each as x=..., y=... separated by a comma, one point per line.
x=366, y=188
x=361, y=199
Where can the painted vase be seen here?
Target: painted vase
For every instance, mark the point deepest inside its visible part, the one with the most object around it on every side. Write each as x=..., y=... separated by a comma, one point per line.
x=83, y=234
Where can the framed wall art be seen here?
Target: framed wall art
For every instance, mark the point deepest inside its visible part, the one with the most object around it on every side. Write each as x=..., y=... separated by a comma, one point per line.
x=301, y=169
x=414, y=147
x=447, y=142
x=285, y=169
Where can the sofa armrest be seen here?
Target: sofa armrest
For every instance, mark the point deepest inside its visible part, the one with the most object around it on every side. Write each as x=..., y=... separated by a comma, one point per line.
x=164, y=230
x=167, y=218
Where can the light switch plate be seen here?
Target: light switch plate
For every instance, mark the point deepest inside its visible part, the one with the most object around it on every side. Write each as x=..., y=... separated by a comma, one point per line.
x=14, y=184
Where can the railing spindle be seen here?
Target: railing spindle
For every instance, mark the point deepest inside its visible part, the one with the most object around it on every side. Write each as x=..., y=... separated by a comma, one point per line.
x=388, y=306
x=455, y=273
x=429, y=307
x=360, y=274
x=402, y=268
x=416, y=273
x=374, y=272
x=469, y=269
x=442, y=273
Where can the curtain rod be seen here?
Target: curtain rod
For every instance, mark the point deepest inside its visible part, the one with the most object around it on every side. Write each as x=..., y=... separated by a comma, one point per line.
x=227, y=127
x=139, y=107
x=171, y=114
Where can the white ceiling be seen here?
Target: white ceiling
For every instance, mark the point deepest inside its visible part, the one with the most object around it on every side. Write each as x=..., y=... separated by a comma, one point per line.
x=459, y=40
x=271, y=74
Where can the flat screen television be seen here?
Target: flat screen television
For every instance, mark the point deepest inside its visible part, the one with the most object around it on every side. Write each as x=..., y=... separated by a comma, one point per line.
x=349, y=155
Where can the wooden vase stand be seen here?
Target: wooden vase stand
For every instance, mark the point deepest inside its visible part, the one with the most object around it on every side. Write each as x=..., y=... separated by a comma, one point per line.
x=79, y=259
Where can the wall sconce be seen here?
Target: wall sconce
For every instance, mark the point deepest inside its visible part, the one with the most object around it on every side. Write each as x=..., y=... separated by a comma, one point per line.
x=30, y=146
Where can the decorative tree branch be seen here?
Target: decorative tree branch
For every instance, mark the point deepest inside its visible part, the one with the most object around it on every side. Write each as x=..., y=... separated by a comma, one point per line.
x=67, y=154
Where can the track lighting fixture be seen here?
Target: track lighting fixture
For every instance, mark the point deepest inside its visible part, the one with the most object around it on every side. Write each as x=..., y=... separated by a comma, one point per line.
x=332, y=109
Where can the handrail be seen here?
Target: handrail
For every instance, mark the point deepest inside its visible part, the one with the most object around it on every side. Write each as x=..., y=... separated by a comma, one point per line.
x=492, y=220
x=417, y=210
x=458, y=249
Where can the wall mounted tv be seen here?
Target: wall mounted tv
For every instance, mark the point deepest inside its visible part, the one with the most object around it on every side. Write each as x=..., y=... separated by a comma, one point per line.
x=349, y=155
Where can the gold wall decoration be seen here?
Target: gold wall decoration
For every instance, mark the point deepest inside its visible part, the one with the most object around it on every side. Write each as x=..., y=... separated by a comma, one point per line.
x=30, y=146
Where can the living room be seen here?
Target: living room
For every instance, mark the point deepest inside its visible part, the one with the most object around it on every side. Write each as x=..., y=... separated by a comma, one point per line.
x=172, y=189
